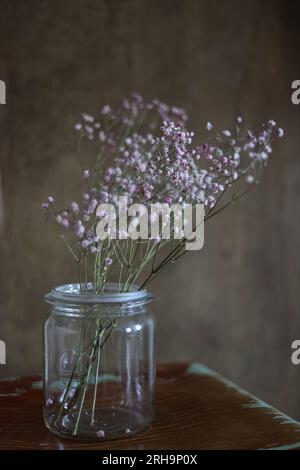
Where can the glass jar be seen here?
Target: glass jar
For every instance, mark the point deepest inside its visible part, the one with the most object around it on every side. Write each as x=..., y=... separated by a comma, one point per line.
x=99, y=363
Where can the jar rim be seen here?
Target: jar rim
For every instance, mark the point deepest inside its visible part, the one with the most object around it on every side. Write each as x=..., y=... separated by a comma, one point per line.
x=72, y=294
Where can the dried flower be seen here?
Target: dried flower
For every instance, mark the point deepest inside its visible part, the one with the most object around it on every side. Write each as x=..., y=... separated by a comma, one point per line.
x=154, y=160
x=88, y=118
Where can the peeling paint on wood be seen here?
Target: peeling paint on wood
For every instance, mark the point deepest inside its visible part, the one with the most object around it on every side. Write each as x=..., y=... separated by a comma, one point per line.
x=296, y=445
x=213, y=412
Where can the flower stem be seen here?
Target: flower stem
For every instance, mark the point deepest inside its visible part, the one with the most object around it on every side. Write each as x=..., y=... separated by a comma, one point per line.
x=87, y=378
x=96, y=377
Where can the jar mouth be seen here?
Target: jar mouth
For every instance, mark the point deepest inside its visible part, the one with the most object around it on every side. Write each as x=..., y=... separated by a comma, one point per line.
x=74, y=295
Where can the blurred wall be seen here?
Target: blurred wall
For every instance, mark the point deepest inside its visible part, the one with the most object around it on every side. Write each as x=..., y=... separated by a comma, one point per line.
x=236, y=305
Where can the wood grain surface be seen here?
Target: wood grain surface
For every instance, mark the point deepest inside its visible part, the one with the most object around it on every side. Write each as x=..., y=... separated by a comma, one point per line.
x=233, y=306
x=196, y=409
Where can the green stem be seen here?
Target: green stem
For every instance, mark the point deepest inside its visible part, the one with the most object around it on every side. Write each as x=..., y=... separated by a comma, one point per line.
x=87, y=378
x=96, y=377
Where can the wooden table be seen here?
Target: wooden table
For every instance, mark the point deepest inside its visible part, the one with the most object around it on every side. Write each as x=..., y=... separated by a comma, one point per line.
x=196, y=409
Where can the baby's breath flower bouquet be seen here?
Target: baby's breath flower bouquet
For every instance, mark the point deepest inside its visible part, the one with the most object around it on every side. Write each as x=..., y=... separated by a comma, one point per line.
x=142, y=151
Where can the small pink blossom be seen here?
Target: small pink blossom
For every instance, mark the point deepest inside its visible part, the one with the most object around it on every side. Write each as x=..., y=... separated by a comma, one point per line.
x=88, y=118
x=106, y=109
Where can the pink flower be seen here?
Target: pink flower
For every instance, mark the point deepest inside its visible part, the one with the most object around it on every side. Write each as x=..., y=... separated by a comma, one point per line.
x=75, y=207
x=88, y=117
x=65, y=223
x=106, y=109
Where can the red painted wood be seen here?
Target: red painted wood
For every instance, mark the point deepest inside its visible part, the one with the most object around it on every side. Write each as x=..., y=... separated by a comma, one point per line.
x=196, y=409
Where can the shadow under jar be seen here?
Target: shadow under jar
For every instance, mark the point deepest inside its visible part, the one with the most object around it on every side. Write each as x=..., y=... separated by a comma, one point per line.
x=99, y=374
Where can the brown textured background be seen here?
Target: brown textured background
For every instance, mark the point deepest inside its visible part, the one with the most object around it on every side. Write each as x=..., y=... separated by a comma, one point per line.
x=236, y=305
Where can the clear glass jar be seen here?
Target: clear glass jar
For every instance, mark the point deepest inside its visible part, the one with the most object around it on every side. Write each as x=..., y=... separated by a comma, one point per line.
x=99, y=363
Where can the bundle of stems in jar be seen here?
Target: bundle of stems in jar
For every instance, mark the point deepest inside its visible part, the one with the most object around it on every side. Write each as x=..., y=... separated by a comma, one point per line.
x=142, y=150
